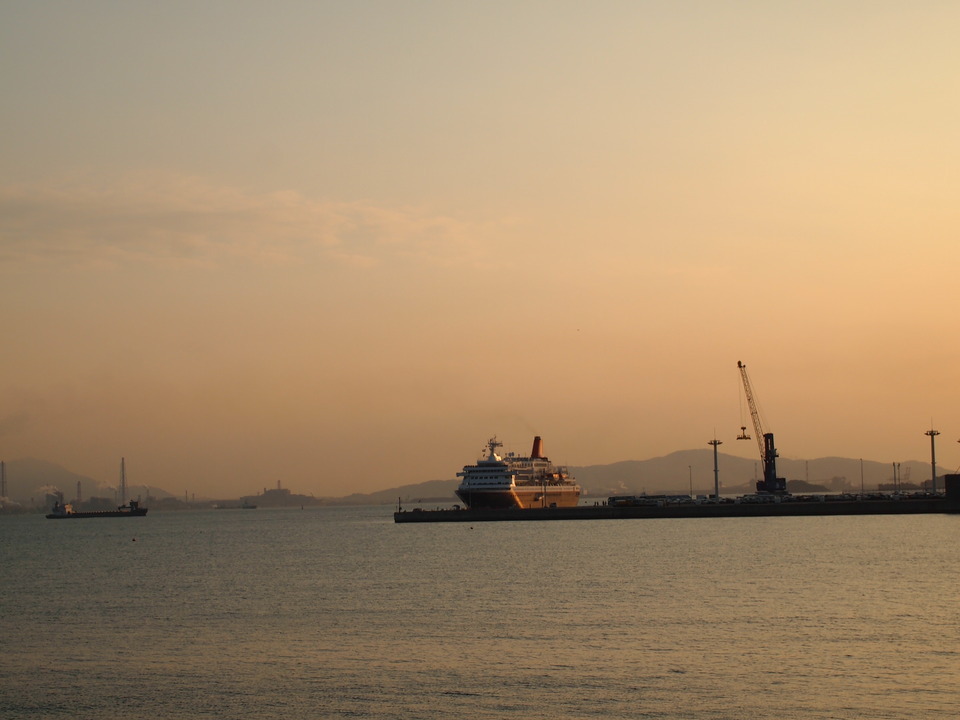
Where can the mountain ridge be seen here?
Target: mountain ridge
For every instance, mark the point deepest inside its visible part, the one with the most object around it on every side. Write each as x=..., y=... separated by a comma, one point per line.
x=31, y=480
x=681, y=471
x=673, y=473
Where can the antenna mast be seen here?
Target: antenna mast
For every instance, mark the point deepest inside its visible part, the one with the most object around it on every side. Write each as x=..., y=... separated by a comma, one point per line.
x=123, y=482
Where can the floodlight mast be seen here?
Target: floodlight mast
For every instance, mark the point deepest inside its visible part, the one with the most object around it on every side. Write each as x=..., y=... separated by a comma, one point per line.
x=768, y=451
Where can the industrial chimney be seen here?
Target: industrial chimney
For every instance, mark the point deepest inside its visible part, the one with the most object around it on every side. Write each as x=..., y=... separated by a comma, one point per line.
x=537, y=451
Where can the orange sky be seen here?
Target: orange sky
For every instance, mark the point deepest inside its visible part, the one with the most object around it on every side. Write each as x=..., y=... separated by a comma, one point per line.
x=341, y=245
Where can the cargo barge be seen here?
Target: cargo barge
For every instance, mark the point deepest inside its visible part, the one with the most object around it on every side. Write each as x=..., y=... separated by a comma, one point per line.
x=63, y=512
x=647, y=507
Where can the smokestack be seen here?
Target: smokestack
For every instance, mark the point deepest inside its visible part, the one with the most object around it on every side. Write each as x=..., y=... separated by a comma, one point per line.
x=537, y=451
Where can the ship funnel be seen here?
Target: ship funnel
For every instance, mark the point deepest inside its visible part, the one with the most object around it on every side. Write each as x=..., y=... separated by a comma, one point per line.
x=537, y=451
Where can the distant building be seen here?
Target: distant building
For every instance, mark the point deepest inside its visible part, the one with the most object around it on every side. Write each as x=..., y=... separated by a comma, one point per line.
x=280, y=497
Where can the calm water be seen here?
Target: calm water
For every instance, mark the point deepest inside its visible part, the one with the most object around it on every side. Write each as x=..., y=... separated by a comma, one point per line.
x=328, y=613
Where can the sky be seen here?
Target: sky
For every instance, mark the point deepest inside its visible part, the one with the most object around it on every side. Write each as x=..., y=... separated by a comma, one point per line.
x=339, y=245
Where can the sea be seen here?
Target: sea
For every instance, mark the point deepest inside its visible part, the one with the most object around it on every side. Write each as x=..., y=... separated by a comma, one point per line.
x=340, y=613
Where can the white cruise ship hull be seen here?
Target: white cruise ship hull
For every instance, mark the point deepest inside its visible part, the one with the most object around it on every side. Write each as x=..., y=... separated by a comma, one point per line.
x=536, y=496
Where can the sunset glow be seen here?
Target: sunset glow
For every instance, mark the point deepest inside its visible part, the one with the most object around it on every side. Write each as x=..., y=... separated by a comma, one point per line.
x=339, y=245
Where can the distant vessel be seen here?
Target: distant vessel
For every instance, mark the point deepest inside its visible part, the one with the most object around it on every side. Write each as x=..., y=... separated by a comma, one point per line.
x=245, y=505
x=512, y=481
x=61, y=510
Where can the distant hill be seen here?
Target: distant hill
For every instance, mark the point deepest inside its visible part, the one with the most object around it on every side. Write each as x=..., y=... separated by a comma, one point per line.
x=430, y=491
x=30, y=480
x=672, y=474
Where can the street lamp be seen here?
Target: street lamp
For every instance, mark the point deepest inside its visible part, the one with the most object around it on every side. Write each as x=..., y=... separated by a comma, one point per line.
x=716, y=469
x=933, y=458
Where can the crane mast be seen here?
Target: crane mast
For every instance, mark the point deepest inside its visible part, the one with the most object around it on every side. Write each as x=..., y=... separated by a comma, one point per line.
x=768, y=451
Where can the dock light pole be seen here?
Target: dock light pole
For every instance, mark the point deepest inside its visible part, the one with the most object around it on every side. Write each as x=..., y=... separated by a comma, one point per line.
x=716, y=469
x=933, y=458
x=690, y=469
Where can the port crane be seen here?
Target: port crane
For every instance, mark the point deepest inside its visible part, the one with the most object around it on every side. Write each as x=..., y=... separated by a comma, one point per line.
x=768, y=451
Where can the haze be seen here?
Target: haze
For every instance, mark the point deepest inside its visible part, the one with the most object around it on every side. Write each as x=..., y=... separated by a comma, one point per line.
x=339, y=245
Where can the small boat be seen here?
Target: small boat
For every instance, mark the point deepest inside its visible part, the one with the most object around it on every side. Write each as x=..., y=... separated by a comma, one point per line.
x=245, y=505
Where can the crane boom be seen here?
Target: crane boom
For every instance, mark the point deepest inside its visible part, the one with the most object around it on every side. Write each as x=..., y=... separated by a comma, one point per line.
x=751, y=403
x=768, y=451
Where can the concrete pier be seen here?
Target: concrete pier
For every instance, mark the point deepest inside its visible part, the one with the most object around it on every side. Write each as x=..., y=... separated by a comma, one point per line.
x=788, y=506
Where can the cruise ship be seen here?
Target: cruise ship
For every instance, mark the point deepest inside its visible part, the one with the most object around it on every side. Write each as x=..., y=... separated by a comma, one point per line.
x=512, y=481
